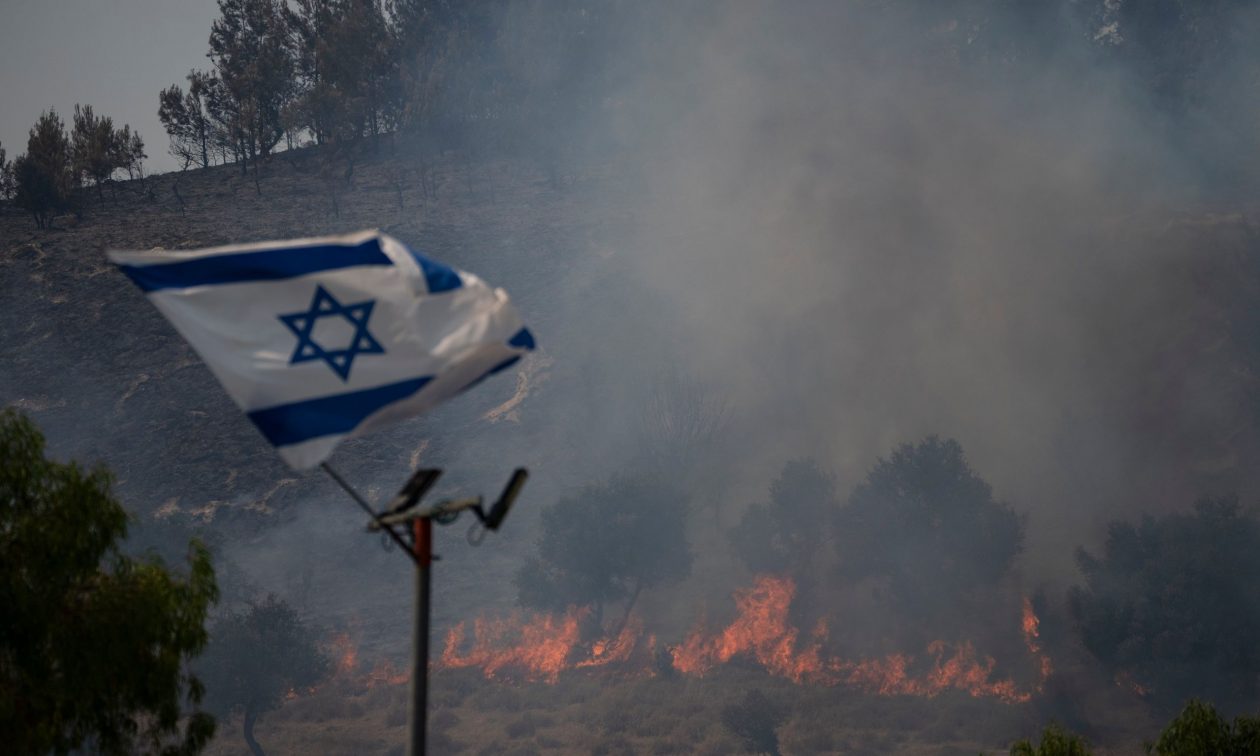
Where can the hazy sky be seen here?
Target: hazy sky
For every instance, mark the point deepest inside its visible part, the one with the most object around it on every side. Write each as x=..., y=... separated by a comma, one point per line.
x=115, y=55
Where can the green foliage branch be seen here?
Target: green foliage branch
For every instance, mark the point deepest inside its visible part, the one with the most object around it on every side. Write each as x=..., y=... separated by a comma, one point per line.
x=93, y=644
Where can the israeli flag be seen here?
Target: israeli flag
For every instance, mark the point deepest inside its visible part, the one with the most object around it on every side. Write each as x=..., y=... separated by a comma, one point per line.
x=318, y=340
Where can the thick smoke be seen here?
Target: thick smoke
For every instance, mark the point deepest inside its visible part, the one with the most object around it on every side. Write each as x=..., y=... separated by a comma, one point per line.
x=837, y=227
x=862, y=225
x=853, y=225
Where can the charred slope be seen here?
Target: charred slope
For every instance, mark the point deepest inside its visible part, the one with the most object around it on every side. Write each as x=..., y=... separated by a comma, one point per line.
x=108, y=379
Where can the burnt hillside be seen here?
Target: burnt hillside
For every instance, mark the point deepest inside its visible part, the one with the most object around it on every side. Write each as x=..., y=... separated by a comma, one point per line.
x=108, y=380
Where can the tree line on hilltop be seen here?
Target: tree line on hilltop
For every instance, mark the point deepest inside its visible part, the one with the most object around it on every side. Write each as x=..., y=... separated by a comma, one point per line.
x=44, y=179
x=337, y=73
x=525, y=76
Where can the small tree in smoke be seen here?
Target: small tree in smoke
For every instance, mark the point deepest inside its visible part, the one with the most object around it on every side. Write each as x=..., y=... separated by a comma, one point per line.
x=927, y=526
x=605, y=545
x=255, y=657
x=1173, y=603
x=784, y=534
x=680, y=420
x=44, y=178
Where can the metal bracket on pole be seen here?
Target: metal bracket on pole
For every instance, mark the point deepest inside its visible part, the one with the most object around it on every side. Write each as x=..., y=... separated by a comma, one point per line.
x=402, y=507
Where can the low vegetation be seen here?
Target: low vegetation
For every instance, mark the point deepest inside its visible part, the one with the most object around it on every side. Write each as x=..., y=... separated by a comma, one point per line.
x=1170, y=605
x=1198, y=729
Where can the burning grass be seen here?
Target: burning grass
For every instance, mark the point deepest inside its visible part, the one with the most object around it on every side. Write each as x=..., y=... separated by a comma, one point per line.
x=540, y=647
x=530, y=683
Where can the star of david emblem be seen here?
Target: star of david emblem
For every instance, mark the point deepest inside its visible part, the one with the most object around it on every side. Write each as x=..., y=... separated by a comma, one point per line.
x=325, y=305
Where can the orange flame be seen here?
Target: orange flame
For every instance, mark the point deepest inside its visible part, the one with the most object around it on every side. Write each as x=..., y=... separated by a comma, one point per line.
x=761, y=631
x=962, y=669
x=1126, y=681
x=539, y=648
x=385, y=673
x=1031, y=625
x=543, y=646
x=346, y=665
x=617, y=650
x=345, y=653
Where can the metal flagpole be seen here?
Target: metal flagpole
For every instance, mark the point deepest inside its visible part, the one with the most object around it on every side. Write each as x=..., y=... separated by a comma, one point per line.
x=402, y=511
x=361, y=502
x=422, y=542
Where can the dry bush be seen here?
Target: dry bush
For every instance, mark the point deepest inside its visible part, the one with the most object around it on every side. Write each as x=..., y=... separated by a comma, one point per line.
x=669, y=746
x=320, y=706
x=615, y=745
x=397, y=717
x=813, y=737
x=548, y=742
x=504, y=698
x=615, y=721
x=443, y=720
x=523, y=727
x=450, y=688
x=718, y=744
x=441, y=743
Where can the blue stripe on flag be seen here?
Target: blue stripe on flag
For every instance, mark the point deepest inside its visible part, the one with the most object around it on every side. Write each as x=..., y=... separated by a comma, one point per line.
x=327, y=415
x=522, y=340
x=262, y=265
x=437, y=276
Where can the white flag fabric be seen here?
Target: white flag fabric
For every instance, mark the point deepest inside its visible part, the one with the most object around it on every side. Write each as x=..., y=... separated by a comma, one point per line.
x=322, y=339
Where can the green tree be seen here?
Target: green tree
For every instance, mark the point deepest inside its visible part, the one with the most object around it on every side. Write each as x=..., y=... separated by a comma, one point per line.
x=44, y=176
x=251, y=49
x=93, y=146
x=257, y=656
x=1055, y=741
x=1173, y=603
x=606, y=545
x=1199, y=729
x=347, y=72
x=93, y=644
x=186, y=118
x=928, y=526
x=127, y=152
